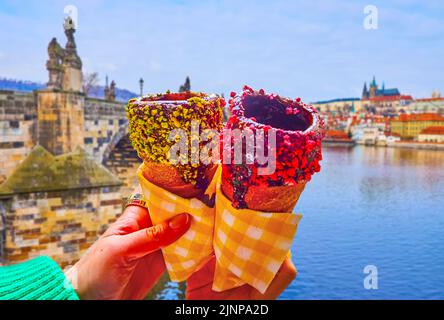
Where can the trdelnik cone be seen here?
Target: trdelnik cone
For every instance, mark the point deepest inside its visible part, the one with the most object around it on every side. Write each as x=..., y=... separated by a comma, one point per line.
x=173, y=187
x=298, y=131
x=255, y=225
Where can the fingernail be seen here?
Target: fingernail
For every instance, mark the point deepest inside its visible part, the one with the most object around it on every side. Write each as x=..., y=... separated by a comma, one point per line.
x=178, y=221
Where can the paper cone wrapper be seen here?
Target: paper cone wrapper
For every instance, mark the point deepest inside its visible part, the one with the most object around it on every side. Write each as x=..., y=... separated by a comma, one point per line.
x=194, y=248
x=250, y=246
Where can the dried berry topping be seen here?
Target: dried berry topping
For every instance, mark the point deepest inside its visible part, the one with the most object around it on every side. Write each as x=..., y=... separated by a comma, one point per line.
x=298, y=129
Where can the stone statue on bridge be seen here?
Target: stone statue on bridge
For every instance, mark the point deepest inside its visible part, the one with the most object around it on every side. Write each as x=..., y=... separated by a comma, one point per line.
x=64, y=65
x=70, y=172
x=54, y=64
x=71, y=57
x=110, y=91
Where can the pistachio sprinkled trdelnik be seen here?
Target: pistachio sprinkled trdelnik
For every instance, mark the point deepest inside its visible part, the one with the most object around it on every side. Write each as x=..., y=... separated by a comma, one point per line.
x=298, y=129
x=151, y=120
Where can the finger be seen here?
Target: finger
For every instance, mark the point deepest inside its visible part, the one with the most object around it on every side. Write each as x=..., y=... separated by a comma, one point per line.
x=281, y=281
x=145, y=241
x=132, y=219
x=139, y=214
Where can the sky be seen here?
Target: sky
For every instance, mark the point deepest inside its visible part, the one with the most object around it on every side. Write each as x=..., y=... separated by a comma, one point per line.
x=313, y=49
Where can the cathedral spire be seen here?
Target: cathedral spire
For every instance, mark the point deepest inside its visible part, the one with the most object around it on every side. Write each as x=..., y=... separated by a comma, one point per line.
x=365, y=91
x=373, y=88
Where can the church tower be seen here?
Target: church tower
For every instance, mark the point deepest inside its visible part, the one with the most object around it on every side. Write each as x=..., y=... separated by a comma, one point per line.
x=373, y=88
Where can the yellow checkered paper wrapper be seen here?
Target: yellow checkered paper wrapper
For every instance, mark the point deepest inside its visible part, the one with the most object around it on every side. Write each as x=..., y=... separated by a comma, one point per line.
x=250, y=246
x=195, y=247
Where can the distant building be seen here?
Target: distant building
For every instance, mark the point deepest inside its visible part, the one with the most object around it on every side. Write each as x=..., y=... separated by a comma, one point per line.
x=409, y=126
x=432, y=134
x=374, y=91
x=436, y=94
x=336, y=135
x=369, y=136
x=388, y=102
x=344, y=105
x=427, y=105
x=363, y=121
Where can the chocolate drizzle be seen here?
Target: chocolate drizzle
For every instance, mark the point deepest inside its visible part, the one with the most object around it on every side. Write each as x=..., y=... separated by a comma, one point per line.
x=240, y=174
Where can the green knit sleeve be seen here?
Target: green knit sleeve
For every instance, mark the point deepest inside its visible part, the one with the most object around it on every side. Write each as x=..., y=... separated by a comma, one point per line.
x=37, y=279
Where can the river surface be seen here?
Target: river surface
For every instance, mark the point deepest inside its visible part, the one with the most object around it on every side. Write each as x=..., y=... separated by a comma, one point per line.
x=370, y=206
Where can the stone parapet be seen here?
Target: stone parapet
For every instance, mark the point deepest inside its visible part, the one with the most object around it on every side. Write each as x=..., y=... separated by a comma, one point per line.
x=18, y=129
x=59, y=224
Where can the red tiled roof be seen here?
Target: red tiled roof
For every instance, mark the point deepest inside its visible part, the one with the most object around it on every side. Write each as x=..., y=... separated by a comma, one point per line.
x=337, y=134
x=379, y=120
x=433, y=130
x=430, y=99
x=355, y=121
x=420, y=117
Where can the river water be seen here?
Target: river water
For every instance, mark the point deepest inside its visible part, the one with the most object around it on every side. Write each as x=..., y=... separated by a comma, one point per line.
x=370, y=206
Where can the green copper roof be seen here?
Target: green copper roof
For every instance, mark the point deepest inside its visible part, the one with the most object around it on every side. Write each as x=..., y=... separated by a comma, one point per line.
x=41, y=171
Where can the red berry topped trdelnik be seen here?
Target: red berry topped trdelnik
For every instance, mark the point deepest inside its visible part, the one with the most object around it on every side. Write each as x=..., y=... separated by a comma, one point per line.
x=298, y=131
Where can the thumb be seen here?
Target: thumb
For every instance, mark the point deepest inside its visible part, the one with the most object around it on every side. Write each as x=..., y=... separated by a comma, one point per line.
x=145, y=241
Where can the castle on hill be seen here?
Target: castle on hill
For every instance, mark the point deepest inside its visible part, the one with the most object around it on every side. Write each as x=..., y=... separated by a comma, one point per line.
x=373, y=91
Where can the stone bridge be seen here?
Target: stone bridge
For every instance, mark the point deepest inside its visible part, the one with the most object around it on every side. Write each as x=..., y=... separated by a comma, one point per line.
x=61, y=223
x=104, y=134
x=106, y=138
x=66, y=163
